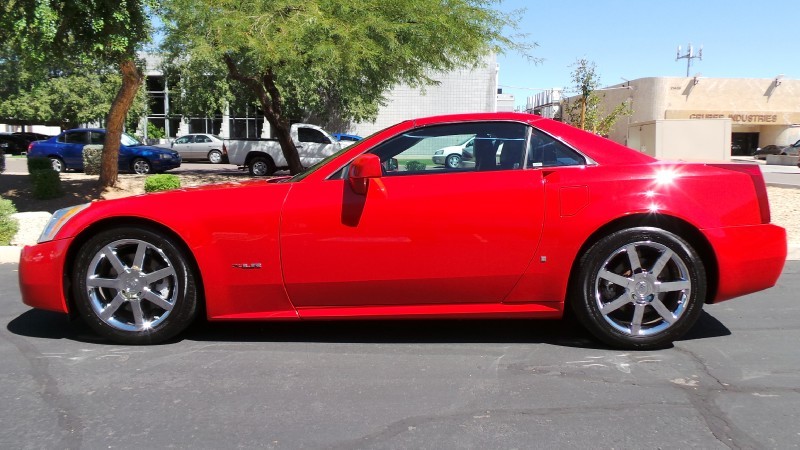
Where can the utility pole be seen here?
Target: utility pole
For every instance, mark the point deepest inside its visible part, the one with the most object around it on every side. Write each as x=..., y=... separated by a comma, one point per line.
x=689, y=56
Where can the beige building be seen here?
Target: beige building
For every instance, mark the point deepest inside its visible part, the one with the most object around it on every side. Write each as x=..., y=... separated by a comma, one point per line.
x=761, y=111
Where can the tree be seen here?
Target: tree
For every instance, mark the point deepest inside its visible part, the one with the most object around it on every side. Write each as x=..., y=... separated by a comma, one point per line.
x=324, y=57
x=587, y=111
x=100, y=32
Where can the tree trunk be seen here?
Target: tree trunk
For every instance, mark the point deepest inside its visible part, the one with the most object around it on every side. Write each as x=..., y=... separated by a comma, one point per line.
x=115, y=121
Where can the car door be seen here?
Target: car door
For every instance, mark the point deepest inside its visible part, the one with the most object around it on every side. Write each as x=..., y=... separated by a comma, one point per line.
x=182, y=145
x=201, y=147
x=71, y=148
x=313, y=145
x=422, y=235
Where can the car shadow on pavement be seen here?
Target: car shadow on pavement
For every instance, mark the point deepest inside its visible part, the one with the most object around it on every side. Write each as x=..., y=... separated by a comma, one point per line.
x=567, y=333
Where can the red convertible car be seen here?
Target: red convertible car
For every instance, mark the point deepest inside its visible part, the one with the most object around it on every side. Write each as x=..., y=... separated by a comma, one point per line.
x=545, y=217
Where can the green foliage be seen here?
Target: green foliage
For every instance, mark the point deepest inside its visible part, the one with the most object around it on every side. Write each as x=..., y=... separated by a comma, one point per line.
x=8, y=225
x=596, y=118
x=321, y=59
x=46, y=184
x=37, y=164
x=92, y=159
x=155, y=132
x=161, y=182
x=415, y=165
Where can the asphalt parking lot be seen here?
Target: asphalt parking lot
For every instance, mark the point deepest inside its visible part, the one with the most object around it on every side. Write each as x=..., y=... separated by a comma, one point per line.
x=734, y=382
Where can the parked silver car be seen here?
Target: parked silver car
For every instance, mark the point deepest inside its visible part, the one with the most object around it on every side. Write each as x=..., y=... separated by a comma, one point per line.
x=201, y=146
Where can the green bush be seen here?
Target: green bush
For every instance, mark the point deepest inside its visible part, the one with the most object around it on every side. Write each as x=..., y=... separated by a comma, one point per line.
x=46, y=184
x=415, y=165
x=37, y=164
x=8, y=225
x=92, y=159
x=162, y=182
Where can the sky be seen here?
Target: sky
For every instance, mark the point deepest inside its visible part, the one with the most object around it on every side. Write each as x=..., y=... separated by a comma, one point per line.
x=629, y=39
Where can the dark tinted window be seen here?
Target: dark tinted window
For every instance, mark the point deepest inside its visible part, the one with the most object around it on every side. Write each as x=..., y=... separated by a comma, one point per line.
x=184, y=140
x=201, y=138
x=311, y=135
x=546, y=151
x=75, y=137
x=96, y=137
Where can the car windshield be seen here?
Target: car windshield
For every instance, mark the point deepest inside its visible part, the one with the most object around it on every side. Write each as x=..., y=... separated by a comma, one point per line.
x=128, y=140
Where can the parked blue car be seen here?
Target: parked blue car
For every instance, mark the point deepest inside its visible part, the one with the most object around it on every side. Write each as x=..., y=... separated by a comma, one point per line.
x=66, y=152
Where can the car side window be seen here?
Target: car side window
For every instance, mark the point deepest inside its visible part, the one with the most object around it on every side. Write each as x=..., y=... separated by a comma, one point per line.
x=96, y=137
x=462, y=147
x=183, y=140
x=201, y=138
x=305, y=134
x=77, y=137
x=546, y=151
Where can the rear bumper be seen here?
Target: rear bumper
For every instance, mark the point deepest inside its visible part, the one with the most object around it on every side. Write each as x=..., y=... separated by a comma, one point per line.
x=749, y=259
x=42, y=281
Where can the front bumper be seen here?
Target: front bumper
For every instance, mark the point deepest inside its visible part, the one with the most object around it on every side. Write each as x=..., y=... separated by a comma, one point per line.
x=42, y=278
x=749, y=258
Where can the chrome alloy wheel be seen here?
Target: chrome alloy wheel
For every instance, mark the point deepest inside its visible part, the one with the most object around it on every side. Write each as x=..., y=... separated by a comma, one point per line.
x=642, y=288
x=131, y=285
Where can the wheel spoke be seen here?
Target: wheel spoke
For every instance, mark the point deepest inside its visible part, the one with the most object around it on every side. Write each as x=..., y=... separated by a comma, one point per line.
x=112, y=283
x=662, y=311
x=112, y=307
x=662, y=262
x=614, y=278
x=138, y=260
x=111, y=256
x=138, y=314
x=636, y=322
x=153, y=298
x=158, y=275
x=673, y=286
x=621, y=301
x=633, y=257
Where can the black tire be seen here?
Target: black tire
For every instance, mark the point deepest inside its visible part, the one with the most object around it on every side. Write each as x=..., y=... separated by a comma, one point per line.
x=215, y=157
x=141, y=166
x=261, y=166
x=144, y=292
x=664, y=294
x=452, y=161
x=58, y=164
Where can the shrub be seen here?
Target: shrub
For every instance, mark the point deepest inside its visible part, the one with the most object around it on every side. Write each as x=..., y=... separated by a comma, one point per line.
x=415, y=166
x=162, y=182
x=46, y=184
x=37, y=164
x=8, y=225
x=92, y=159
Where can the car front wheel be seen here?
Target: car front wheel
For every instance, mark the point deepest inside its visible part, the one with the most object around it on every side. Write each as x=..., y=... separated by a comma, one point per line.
x=134, y=286
x=453, y=161
x=141, y=166
x=640, y=288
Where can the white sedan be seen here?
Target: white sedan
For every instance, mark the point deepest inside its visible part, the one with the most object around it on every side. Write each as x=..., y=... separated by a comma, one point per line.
x=204, y=147
x=452, y=156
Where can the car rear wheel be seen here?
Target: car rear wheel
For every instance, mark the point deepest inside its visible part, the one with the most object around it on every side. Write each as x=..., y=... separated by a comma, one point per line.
x=215, y=156
x=261, y=166
x=57, y=163
x=141, y=166
x=453, y=161
x=134, y=286
x=640, y=288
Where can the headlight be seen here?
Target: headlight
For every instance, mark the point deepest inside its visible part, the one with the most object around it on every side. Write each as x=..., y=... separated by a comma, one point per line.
x=58, y=220
x=164, y=156
x=438, y=152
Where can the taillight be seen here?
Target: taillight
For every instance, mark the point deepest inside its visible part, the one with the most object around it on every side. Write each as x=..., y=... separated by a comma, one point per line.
x=758, y=183
x=30, y=147
x=224, y=149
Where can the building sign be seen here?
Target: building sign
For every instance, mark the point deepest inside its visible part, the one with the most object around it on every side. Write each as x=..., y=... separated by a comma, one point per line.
x=739, y=117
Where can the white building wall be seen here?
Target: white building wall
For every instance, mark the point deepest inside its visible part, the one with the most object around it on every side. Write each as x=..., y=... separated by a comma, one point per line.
x=460, y=91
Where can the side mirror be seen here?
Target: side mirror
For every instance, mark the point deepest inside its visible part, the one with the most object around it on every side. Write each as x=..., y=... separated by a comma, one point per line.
x=361, y=170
